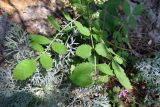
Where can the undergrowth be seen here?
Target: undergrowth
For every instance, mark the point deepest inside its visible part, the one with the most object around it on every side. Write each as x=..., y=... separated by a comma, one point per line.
x=87, y=51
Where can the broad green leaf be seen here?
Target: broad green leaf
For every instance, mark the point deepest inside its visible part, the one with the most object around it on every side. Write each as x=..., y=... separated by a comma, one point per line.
x=59, y=48
x=54, y=23
x=132, y=22
x=111, y=51
x=118, y=59
x=126, y=7
x=91, y=59
x=46, y=61
x=24, y=69
x=67, y=16
x=138, y=9
x=98, y=37
x=37, y=47
x=104, y=68
x=39, y=39
x=84, y=51
x=121, y=76
x=82, y=29
x=101, y=49
x=82, y=74
x=102, y=79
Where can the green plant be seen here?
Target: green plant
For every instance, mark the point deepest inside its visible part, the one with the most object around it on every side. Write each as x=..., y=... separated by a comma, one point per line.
x=93, y=15
x=97, y=61
x=42, y=89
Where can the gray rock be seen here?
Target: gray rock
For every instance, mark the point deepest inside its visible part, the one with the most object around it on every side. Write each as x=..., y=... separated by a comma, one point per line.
x=155, y=35
x=4, y=26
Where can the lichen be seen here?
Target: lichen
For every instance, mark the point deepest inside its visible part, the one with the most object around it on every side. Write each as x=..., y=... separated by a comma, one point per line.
x=149, y=71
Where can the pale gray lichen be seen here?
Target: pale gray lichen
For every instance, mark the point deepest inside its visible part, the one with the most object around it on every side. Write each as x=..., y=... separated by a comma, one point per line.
x=42, y=84
x=149, y=71
x=92, y=96
x=44, y=88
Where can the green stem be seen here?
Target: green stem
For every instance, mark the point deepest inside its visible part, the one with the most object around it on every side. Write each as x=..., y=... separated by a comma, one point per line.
x=56, y=37
x=95, y=59
x=90, y=28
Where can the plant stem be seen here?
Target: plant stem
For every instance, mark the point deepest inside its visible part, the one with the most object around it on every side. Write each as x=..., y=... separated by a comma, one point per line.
x=92, y=42
x=48, y=47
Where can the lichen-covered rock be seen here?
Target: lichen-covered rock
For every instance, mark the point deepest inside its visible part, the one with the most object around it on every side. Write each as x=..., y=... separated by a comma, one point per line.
x=153, y=14
x=146, y=36
x=32, y=14
x=4, y=27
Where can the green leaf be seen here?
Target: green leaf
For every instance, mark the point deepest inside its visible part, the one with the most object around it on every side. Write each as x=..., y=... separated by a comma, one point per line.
x=91, y=59
x=68, y=29
x=121, y=76
x=84, y=51
x=107, y=21
x=37, y=47
x=126, y=7
x=132, y=22
x=104, y=68
x=67, y=16
x=59, y=48
x=101, y=49
x=116, y=35
x=75, y=1
x=82, y=29
x=54, y=23
x=138, y=9
x=80, y=8
x=24, y=69
x=112, y=6
x=111, y=51
x=39, y=39
x=98, y=37
x=125, y=30
x=102, y=79
x=82, y=74
x=118, y=59
x=46, y=61
x=125, y=39
x=117, y=21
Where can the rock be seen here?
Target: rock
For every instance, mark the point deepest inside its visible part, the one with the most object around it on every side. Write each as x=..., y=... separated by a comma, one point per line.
x=32, y=14
x=4, y=27
x=146, y=36
x=155, y=35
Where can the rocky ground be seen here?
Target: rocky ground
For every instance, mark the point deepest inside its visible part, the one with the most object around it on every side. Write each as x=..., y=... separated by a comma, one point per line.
x=146, y=37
